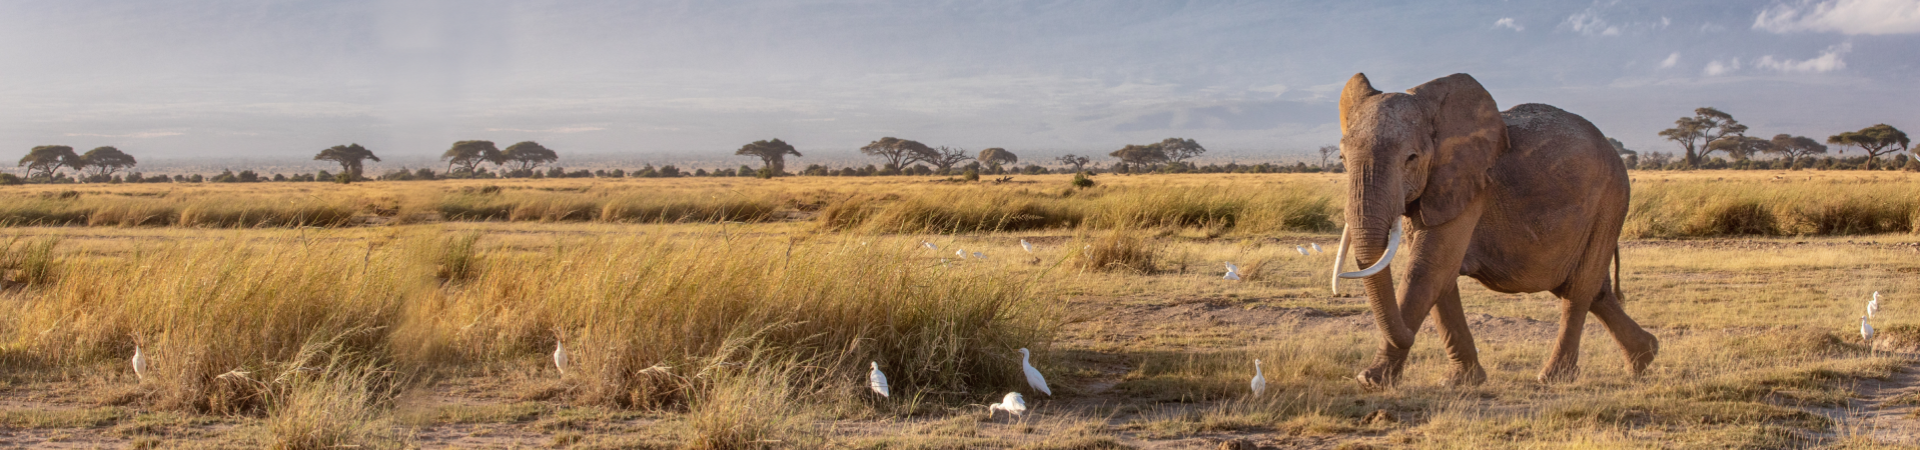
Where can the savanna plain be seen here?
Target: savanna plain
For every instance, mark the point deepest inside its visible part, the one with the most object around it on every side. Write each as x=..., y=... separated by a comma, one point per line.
x=723, y=313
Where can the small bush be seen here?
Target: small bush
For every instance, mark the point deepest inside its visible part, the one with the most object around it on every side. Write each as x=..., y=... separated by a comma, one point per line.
x=654, y=209
x=1119, y=251
x=1740, y=217
x=1080, y=180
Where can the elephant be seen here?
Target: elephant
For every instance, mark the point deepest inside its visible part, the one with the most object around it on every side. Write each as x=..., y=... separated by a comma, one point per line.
x=1527, y=200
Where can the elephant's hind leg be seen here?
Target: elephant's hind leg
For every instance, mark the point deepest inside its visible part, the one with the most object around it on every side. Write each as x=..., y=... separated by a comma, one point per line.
x=1636, y=343
x=1564, y=364
x=1452, y=322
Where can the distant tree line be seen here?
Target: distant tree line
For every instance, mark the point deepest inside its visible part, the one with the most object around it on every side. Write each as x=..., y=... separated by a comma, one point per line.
x=1710, y=130
x=1701, y=136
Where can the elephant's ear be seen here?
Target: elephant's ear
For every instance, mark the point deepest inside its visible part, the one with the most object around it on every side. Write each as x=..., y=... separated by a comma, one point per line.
x=1358, y=89
x=1468, y=135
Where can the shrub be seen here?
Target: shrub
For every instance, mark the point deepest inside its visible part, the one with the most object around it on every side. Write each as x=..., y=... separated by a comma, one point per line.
x=1080, y=180
x=1118, y=251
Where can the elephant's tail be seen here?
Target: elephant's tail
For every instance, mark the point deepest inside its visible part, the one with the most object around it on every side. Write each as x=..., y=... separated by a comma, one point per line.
x=1617, y=295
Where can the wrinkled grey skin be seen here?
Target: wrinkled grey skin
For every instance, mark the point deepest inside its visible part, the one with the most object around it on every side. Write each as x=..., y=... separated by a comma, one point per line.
x=1527, y=200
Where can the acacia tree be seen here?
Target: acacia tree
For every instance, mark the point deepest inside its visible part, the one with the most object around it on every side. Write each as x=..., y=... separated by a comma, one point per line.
x=772, y=153
x=1630, y=157
x=946, y=157
x=996, y=156
x=1696, y=133
x=106, y=160
x=1078, y=162
x=1177, y=149
x=1140, y=155
x=1875, y=140
x=1740, y=147
x=47, y=160
x=1327, y=152
x=470, y=154
x=1794, y=147
x=528, y=155
x=899, y=152
x=350, y=157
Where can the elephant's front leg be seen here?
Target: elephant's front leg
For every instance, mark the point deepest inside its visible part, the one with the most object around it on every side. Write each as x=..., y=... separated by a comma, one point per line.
x=1396, y=338
x=1433, y=269
x=1451, y=319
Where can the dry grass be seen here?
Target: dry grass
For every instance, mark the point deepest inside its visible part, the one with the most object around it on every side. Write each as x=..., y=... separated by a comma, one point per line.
x=1666, y=205
x=757, y=334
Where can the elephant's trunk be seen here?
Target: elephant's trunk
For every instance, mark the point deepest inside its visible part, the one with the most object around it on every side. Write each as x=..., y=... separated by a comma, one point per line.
x=1374, y=243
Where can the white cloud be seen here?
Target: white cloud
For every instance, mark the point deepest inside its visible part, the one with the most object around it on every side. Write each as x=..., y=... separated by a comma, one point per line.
x=1670, y=61
x=1828, y=61
x=1717, y=67
x=1843, y=16
x=1276, y=89
x=557, y=130
x=1590, y=23
x=1507, y=22
x=140, y=135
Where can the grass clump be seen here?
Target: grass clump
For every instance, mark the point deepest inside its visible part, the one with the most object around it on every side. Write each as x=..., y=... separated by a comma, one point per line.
x=645, y=317
x=342, y=403
x=717, y=208
x=208, y=309
x=1119, y=251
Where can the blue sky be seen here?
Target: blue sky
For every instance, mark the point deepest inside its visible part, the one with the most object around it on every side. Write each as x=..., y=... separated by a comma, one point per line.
x=1251, y=80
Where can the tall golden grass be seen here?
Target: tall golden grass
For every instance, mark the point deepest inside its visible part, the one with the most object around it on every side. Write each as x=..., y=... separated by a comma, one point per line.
x=1664, y=206
x=653, y=322
x=682, y=307
x=1703, y=208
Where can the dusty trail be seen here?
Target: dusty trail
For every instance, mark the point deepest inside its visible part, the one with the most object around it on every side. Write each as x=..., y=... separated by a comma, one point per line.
x=1885, y=411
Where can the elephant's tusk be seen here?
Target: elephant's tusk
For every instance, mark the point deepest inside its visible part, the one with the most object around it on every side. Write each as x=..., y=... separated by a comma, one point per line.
x=1340, y=257
x=1393, y=244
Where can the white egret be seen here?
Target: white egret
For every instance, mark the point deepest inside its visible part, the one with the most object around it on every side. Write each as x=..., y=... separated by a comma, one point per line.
x=139, y=362
x=929, y=245
x=978, y=255
x=1259, y=380
x=1034, y=379
x=1025, y=245
x=1233, y=272
x=962, y=253
x=1013, y=404
x=559, y=354
x=1873, y=306
x=1866, y=331
x=877, y=381
x=1302, y=250
x=1316, y=247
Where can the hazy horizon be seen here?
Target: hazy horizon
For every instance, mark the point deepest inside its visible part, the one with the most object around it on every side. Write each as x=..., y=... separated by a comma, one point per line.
x=1253, y=81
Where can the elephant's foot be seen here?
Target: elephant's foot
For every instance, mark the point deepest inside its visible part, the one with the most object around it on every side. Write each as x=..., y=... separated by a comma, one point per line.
x=1466, y=375
x=1385, y=371
x=1378, y=376
x=1639, y=359
x=1559, y=373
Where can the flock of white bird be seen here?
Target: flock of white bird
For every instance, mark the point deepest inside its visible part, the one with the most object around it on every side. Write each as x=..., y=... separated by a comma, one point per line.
x=1233, y=271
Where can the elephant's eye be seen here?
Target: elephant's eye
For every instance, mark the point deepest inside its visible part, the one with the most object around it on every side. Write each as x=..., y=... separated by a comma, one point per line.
x=1411, y=157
